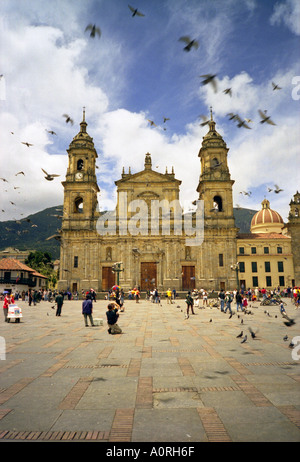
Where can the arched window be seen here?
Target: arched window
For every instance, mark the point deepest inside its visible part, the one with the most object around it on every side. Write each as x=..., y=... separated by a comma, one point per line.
x=78, y=205
x=215, y=162
x=80, y=164
x=218, y=203
x=108, y=254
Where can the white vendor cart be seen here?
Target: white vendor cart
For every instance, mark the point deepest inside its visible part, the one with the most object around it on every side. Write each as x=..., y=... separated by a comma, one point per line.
x=14, y=312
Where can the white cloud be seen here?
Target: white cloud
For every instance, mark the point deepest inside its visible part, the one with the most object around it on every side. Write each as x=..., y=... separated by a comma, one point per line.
x=287, y=12
x=53, y=68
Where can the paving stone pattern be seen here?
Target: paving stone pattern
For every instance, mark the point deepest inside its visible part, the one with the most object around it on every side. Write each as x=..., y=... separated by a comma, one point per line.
x=164, y=379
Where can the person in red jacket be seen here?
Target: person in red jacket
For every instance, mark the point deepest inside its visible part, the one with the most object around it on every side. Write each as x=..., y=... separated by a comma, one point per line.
x=8, y=300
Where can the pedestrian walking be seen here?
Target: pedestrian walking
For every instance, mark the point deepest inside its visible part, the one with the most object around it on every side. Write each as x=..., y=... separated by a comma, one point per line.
x=222, y=299
x=228, y=300
x=59, y=300
x=112, y=316
x=87, y=310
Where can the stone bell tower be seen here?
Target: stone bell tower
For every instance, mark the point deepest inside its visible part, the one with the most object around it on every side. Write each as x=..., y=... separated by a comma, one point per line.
x=218, y=251
x=293, y=226
x=80, y=245
x=80, y=186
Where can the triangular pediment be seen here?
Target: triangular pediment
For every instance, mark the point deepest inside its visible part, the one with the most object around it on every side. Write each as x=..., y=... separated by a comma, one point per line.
x=147, y=176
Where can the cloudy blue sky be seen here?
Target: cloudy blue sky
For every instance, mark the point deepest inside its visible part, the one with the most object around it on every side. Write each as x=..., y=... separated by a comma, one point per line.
x=137, y=70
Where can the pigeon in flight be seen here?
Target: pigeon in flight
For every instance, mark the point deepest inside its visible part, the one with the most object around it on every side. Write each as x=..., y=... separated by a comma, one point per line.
x=275, y=86
x=205, y=120
x=253, y=334
x=51, y=132
x=277, y=190
x=228, y=91
x=240, y=335
x=151, y=123
x=232, y=116
x=209, y=78
x=68, y=119
x=48, y=176
x=135, y=11
x=189, y=43
x=289, y=322
x=27, y=144
x=242, y=123
x=94, y=30
x=265, y=118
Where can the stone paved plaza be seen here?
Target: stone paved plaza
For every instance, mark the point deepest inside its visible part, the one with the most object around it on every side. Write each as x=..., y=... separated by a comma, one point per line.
x=164, y=379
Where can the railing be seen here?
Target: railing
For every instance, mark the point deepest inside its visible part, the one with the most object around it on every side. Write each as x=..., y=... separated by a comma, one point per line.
x=25, y=281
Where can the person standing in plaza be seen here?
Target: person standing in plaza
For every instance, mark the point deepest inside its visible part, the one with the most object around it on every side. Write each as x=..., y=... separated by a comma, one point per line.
x=239, y=301
x=59, y=300
x=228, y=300
x=112, y=316
x=87, y=310
x=190, y=303
x=8, y=300
x=204, y=300
x=169, y=296
x=222, y=299
x=245, y=303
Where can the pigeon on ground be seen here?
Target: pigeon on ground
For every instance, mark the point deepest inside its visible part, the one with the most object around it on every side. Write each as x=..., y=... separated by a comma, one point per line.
x=240, y=335
x=244, y=339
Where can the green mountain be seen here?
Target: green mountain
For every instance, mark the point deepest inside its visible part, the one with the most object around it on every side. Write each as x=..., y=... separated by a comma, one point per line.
x=243, y=218
x=32, y=232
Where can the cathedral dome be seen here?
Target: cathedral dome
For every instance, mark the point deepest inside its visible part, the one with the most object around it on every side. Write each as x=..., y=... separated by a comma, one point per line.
x=266, y=220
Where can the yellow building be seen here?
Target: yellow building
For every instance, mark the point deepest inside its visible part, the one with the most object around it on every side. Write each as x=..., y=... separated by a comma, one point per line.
x=265, y=254
x=151, y=237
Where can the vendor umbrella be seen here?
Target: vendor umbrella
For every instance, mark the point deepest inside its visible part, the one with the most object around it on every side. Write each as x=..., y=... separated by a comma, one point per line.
x=115, y=287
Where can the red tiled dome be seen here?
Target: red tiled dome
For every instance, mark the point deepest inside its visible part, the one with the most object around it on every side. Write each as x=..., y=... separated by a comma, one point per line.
x=266, y=216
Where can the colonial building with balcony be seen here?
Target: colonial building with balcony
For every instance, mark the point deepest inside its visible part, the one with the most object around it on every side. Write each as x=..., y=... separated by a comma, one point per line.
x=16, y=276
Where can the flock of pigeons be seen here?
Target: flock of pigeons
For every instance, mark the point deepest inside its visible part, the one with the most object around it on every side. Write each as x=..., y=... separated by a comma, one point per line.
x=208, y=79
x=253, y=334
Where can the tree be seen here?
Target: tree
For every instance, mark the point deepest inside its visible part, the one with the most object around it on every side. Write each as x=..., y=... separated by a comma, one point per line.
x=41, y=262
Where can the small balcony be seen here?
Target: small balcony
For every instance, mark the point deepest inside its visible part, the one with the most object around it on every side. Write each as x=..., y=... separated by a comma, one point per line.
x=23, y=281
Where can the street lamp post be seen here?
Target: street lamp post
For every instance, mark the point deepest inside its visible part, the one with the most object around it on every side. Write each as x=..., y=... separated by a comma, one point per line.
x=116, y=268
x=235, y=267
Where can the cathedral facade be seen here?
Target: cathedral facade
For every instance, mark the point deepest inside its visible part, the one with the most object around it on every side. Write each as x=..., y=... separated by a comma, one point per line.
x=148, y=242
